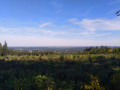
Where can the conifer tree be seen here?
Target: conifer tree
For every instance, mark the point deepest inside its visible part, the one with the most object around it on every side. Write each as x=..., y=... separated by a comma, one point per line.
x=5, y=49
x=0, y=49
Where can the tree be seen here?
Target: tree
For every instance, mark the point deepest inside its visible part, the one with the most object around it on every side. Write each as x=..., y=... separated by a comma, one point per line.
x=0, y=49
x=90, y=59
x=5, y=49
x=116, y=50
x=40, y=58
x=61, y=58
x=118, y=13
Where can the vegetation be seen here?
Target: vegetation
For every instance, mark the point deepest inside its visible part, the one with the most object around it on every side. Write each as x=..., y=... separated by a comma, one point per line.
x=95, y=68
x=118, y=13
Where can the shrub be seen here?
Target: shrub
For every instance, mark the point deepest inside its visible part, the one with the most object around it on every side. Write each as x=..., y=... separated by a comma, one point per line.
x=18, y=83
x=94, y=84
x=116, y=81
x=40, y=58
x=43, y=82
x=100, y=58
x=61, y=58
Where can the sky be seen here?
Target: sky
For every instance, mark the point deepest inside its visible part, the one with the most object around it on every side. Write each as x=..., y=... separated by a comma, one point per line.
x=60, y=22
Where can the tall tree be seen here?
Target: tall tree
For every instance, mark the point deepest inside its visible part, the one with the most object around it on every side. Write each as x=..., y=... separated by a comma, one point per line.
x=0, y=49
x=5, y=49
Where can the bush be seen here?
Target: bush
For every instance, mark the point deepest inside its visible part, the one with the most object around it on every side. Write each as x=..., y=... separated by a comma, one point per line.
x=61, y=58
x=116, y=81
x=40, y=58
x=100, y=58
x=43, y=82
x=18, y=83
x=94, y=84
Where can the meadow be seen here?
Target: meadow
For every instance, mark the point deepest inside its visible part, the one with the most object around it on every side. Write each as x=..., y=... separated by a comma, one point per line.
x=94, y=68
x=70, y=71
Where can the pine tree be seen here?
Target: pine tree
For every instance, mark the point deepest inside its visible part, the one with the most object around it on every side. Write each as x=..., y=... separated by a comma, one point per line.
x=0, y=49
x=5, y=49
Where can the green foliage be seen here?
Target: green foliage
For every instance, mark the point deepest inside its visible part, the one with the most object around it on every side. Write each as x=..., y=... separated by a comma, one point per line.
x=90, y=59
x=40, y=58
x=0, y=49
x=118, y=13
x=18, y=83
x=100, y=58
x=47, y=70
x=61, y=58
x=43, y=82
x=116, y=50
x=74, y=56
x=94, y=84
x=5, y=49
x=96, y=50
x=55, y=75
x=116, y=81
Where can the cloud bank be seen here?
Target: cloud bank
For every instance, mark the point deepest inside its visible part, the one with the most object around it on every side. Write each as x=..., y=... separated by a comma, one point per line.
x=53, y=35
x=90, y=26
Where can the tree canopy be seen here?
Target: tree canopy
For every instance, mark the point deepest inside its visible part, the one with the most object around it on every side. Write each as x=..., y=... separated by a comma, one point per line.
x=118, y=13
x=5, y=49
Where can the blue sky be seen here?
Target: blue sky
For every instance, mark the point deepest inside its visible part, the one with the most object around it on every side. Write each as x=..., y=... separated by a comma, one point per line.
x=59, y=22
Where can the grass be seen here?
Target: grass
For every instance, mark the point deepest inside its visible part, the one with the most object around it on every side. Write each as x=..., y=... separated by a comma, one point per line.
x=72, y=72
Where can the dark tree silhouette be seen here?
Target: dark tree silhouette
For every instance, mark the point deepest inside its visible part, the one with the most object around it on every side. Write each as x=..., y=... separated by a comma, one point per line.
x=5, y=49
x=0, y=49
x=118, y=13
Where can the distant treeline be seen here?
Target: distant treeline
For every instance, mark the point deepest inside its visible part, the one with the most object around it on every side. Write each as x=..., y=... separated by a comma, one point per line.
x=102, y=50
x=35, y=53
x=90, y=50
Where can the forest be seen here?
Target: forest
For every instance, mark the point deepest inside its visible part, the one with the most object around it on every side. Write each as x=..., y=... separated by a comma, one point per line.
x=94, y=68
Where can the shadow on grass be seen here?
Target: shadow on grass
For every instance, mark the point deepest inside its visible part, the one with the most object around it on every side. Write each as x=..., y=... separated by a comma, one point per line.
x=65, y=75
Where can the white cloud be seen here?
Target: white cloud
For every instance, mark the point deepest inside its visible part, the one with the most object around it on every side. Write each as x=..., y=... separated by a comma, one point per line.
x=31, y=30
x=40, y=36
x=91, y=25
x=45, y=24
x=47, y=41
x=101, y=24
x=54, y=32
